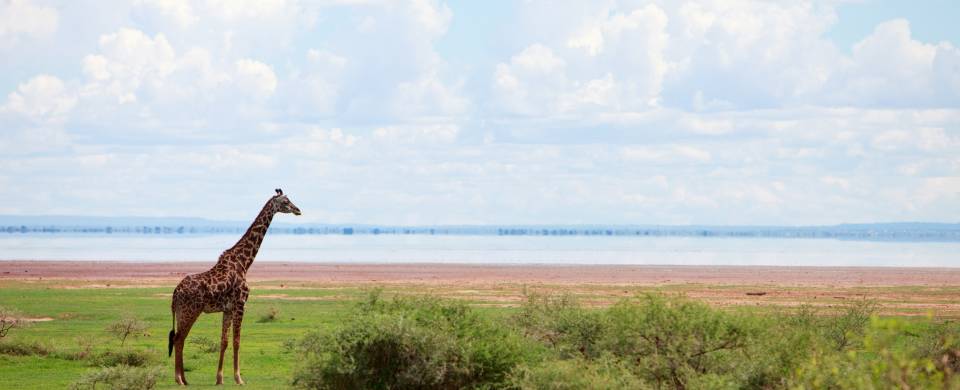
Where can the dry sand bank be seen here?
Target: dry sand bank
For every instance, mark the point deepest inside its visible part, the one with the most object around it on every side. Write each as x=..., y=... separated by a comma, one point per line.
x=493, y=274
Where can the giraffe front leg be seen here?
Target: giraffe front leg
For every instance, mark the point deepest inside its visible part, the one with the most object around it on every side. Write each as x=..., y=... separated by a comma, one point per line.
x=227, y=321
x=237, y=322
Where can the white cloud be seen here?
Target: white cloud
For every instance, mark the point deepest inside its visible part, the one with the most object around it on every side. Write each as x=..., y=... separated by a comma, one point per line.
x=255, y=78
x=417, y=134
x=531, y=82
x=129, y=62
x=180, y=11
x=43, y=97
x=20, y=19
x=889, y=67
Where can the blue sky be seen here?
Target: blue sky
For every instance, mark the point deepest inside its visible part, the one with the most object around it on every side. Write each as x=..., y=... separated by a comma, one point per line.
x=497, y=112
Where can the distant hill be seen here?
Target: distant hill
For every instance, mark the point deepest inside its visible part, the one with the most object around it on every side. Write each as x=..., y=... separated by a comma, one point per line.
x=906, y=231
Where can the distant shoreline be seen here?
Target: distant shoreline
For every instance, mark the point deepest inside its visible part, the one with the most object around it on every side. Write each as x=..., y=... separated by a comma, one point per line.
x=92, y=226
x=327, y=273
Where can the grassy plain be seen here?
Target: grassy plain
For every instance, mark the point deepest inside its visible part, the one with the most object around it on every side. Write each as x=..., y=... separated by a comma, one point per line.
x=69, y=314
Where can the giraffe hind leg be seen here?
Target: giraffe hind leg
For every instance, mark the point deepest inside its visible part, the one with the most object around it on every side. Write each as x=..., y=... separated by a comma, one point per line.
x=185, y=321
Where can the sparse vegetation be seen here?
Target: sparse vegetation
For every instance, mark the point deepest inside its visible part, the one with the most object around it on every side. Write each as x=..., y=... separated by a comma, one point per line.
x=205, y=344
x=549, y=341
x=651, y=341
x=9, y=319
x=23, y=348
x=128, y=326
x=120, y=377
x=272, y=314
x=123, y=357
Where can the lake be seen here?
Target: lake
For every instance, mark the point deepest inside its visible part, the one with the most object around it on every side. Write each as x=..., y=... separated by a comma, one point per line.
x=490, y=250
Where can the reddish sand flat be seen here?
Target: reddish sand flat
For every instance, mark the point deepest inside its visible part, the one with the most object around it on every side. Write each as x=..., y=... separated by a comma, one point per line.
x=494, y=274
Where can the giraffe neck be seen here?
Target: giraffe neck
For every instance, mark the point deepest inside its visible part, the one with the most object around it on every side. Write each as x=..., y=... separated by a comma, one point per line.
x=245, y=250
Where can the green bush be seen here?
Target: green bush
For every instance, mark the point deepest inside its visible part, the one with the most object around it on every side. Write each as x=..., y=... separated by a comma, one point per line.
x=123, y=357
x=120, y=378
x=653, y=341
x=22, y=348
x=888, y=359
x=846, y=329
x=671, y=341
x=560, y=323
x=422, y=343
x=573, y=374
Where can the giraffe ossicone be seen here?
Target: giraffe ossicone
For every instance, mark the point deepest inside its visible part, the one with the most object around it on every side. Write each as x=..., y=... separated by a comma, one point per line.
x=224, y=289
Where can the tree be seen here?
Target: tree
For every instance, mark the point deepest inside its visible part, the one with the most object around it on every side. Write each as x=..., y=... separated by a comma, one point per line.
x=126, y=327
x=9, y=319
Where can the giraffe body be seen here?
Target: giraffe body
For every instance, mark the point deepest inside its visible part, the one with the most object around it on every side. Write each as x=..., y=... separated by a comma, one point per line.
x=224, y=289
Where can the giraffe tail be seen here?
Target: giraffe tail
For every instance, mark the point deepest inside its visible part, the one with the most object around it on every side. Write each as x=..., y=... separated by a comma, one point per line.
x=173, y=333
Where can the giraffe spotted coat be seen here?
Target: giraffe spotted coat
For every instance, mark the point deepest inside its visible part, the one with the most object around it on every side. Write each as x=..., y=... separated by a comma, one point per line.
x=224, y=289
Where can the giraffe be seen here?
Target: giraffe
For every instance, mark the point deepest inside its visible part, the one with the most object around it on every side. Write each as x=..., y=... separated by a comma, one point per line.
x=222, y=289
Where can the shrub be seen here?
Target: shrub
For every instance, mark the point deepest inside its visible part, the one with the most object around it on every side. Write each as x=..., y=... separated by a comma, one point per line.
x=272, y=314
x=422, y=343
x=562, y=324
x=573, y=374
x=120, y=378
x=205, y=344
x=124, y=357
x=10, y=319
x=126, y=327
x=22, y=348
x=670, y=342
x=885, y=361
x=86, y=344
x=847, y=328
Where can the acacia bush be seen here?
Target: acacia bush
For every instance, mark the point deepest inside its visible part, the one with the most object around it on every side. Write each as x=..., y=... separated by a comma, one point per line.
x=605, y=373
x=673, y=341
x=890, y=358
x=128, y=326
x=402, y=343
x=23, y=348
x=120, y=378
x=559, y=322
x=652, y=341
x=9, y=320
x=123, y=357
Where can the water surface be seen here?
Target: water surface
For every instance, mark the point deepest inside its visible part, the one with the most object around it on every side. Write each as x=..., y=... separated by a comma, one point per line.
x=490, y=250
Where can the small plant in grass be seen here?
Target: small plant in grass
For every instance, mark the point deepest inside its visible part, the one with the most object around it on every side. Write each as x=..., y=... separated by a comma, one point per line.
x=272, y=314
x=85, y=343
x=205, y=344
x=9, y=320
x=128, y=326
x=120, y=378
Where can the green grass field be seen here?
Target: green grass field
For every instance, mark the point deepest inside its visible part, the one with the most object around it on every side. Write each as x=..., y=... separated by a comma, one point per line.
x=77, y=314
x=86, y=312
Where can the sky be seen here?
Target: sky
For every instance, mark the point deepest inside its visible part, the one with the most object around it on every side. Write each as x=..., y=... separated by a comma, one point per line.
x=483, y=112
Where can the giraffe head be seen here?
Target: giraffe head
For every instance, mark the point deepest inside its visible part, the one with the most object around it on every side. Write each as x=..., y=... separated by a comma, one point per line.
x=282, y=204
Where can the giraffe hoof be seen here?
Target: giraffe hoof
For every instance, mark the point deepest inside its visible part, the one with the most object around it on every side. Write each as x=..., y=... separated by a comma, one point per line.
x=239, y=380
